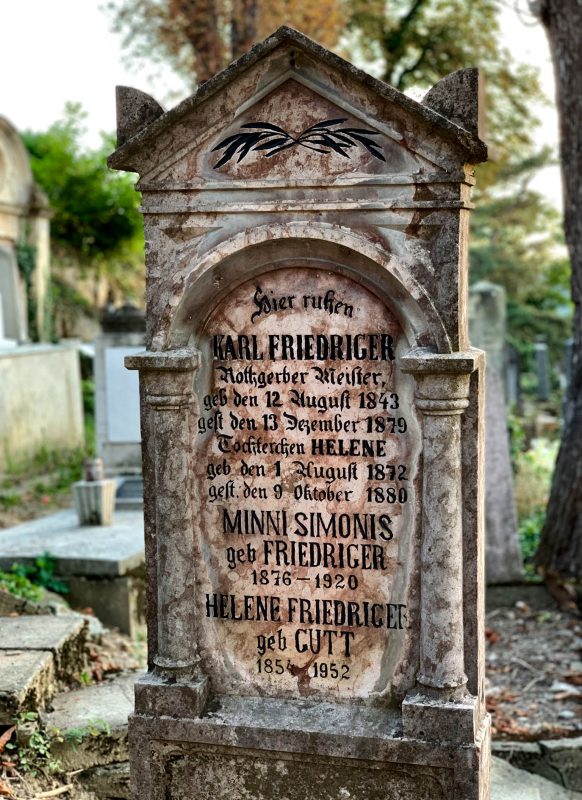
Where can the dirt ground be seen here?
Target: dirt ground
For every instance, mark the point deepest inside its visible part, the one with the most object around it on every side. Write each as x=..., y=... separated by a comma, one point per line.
x=534, y=672
x=32, y=505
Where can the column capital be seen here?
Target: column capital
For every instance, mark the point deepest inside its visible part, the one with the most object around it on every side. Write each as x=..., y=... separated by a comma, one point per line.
x=423, y=361
x=442, y=379
x=183, y=360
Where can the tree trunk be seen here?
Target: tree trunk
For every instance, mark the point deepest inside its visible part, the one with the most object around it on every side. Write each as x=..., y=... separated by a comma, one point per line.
x=202, y=22
x=243, y=26
x=561, y=545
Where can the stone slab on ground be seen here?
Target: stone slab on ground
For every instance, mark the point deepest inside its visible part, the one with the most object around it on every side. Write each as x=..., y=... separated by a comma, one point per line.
x=510, y=783
x=558, y=760
x=36, y=654
x=27, y=681
x=93, y=723
x=102, y=565
x=89, y=551
x=10, y=605
x=535, y=595
x=63, y=636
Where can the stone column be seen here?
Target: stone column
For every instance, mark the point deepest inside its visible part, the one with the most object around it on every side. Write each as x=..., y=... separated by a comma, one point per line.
x=442, y=394
x=167, y=391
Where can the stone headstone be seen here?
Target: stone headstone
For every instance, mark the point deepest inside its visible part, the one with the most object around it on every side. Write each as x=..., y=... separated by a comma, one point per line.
x=487, y=315
x=117, y=416
x=487, y=322
x=312, y=437
x=512, y=377
x=542, y=363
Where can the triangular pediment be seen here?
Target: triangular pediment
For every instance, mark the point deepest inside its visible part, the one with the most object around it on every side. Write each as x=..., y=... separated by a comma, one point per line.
x=289, y=112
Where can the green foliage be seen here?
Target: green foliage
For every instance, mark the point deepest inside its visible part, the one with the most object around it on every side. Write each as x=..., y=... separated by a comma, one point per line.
x=530, y=529
x=95, y=209
x=42, y=573
x=88, y=390
x=9, y=499
x=33, y=746
x=85, y=678
x=421, y=41
x=96, y=229
x=63, y=466
x=516, y=241
x=20, y=586
x=26, y=259
x=93, y=729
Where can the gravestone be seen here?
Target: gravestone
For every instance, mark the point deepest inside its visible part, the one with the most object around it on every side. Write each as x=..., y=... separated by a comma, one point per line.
x=117, y=417
x=312, y=437
x=503, y=559
x=512, y=378
x=542, y=362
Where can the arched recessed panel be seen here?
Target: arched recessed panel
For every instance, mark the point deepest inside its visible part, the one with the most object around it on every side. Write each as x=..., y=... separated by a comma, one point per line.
x=305, y=460
x=315, y=245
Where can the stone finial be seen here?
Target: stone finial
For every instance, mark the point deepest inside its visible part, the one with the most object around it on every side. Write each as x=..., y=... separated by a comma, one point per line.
x=135, y=111
x=458, y=97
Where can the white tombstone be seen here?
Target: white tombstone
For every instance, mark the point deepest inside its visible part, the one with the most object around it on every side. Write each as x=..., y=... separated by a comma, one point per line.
x=117, y=414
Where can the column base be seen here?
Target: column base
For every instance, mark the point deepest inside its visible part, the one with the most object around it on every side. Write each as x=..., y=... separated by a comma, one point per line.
x=159, y=696
x=431, y=719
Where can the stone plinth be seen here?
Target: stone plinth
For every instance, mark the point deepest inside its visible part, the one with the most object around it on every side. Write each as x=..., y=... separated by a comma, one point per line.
x=103, y=567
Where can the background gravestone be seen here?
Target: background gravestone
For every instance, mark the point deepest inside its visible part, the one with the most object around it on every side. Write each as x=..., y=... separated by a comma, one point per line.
x=542, y=363
x=312, y=431
x=117, y=420
x=487, y=314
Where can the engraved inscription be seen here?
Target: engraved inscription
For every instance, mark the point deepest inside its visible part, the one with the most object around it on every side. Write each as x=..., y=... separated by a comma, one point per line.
x=305, y=461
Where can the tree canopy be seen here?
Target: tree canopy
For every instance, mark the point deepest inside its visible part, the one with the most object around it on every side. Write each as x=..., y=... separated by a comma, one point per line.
x=201, y=38
x=96, y=228
x=95, y=210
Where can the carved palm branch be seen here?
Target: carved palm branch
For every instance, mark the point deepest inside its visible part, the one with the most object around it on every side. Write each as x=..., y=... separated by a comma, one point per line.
x=323, y=137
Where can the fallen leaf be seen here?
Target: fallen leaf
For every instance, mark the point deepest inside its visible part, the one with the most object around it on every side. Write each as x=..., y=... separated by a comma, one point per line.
x=5, y=738
x=492, y=636
x=5, y=790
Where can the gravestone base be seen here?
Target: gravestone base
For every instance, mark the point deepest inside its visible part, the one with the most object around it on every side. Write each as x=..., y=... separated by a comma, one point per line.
x=427, y=718
x=298, y=750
